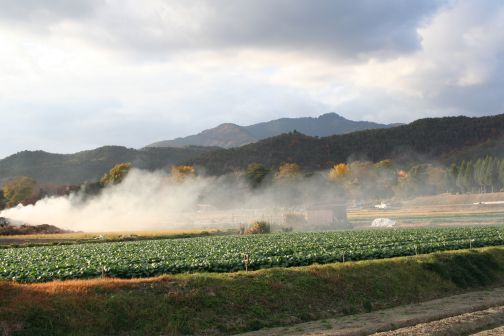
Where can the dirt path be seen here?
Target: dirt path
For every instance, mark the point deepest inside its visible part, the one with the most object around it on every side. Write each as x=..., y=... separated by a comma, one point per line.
x=465, y=324
x=493, y=332
x=476, y=310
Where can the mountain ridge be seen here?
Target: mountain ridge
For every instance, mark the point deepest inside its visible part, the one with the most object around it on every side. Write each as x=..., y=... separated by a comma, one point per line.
x=432, y=140
x=425, y=140
x=229, y=135
x=90, y=165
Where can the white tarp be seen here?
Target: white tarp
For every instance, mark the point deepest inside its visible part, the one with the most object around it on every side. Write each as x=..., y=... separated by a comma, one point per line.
x=383, y=222
x=381, y=206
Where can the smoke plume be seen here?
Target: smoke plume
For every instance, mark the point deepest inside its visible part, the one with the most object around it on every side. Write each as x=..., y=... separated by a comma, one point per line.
x=156, y=201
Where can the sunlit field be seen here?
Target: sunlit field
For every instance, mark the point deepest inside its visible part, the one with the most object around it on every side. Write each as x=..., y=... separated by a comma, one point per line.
x=233, y=253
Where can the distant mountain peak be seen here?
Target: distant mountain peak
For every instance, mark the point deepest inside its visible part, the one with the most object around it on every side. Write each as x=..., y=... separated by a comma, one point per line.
x=225, y=135
x=228, y=125
x=230, y=135
x=332, y=115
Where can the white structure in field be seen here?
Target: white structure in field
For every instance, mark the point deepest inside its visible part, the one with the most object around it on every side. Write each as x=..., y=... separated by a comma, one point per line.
x=489, y=203
x=381, y=206
x=383, y=222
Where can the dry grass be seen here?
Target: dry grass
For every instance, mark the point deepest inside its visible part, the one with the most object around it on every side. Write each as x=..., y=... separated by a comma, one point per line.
x=69, y=286
x=107, y=235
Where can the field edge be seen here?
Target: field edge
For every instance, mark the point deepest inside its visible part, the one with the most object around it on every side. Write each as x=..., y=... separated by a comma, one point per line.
x=228, y=303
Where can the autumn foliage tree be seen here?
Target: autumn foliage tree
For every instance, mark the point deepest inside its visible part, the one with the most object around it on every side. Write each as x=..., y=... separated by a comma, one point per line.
x=181, y=173
x=21, y=189
x=116, y=175
x=365, y=179
x=288, y=171
x=338, y=172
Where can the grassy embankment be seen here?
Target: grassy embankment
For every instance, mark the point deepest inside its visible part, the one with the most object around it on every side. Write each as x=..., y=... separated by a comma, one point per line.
x=228, y=303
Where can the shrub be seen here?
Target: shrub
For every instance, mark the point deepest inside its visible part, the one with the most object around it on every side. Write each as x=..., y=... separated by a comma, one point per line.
x=259, y=227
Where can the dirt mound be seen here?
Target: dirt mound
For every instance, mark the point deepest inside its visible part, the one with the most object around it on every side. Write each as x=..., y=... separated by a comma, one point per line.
x=7, y=229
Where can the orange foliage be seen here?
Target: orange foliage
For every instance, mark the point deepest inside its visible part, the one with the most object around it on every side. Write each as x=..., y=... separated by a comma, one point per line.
x=180, y=173
x=288, y=170
x=338, y=171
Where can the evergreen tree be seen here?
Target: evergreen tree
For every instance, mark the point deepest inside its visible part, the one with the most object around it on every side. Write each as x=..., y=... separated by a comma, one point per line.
x=256, y=173
x=500, y=173
x=460, y=177
x=492, y=173
x=451, y=178
x=469, y=182
x=479, y=174
x=485, y=173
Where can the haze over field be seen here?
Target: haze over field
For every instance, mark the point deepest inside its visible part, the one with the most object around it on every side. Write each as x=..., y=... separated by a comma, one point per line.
x=80, y=74
x=155, y=200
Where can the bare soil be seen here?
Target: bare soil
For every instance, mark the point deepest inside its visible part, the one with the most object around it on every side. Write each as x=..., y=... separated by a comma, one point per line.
x=493, y=332
x=464, y=324
x=463, y=314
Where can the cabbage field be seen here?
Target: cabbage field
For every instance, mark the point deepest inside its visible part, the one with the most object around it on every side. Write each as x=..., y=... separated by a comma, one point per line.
x=227, y=253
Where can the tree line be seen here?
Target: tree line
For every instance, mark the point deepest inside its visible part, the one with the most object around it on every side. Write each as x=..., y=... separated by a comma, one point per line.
x=365, y=180
x=357, y=180
x=481, y=175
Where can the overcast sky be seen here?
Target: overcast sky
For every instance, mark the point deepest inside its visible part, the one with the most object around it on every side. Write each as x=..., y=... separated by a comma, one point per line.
x=84, y=73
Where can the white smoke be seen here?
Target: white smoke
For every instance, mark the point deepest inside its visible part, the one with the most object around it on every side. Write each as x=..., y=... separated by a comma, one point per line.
x=155, y=201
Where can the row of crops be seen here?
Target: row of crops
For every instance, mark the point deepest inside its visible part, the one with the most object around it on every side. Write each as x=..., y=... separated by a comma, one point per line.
x=226, y=254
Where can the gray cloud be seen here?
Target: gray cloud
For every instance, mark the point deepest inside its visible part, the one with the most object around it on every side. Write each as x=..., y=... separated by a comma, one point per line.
x=337, y=28
x=476, y=100
x=341, y=27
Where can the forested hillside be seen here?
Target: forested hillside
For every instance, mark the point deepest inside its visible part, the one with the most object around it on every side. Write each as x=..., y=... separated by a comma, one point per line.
x=445, y=140
x=433, y=139
x=90, y=165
